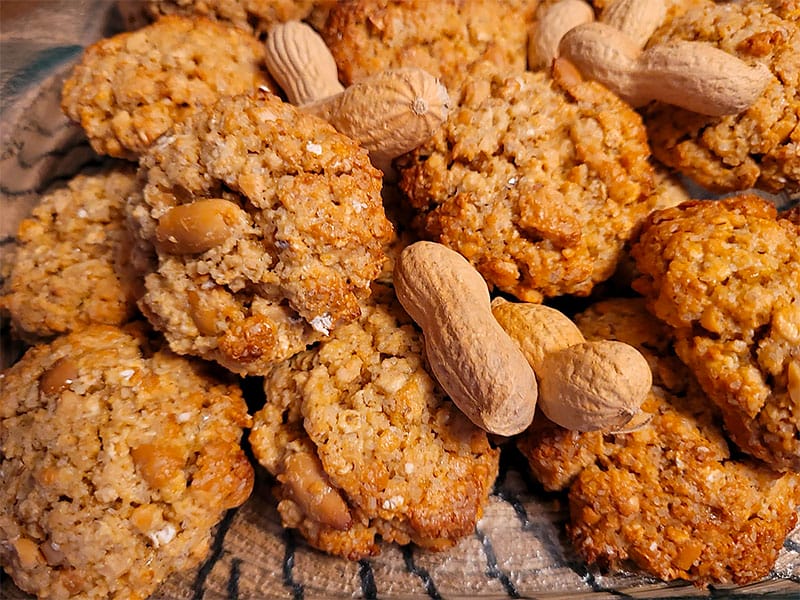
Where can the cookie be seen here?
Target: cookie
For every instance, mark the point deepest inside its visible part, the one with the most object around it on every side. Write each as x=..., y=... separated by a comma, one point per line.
x=444, y=37
x=291, y=224
x=391, y=456
x=726, y=276
x=538, y=182
x=131, y=88
x=759, y=147
x=71, y=264
x=118, y=460
x=254, y=16
x=670, y=498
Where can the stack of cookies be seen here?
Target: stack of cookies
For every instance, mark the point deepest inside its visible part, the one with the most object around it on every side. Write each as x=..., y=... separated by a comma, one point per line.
x=230, y=235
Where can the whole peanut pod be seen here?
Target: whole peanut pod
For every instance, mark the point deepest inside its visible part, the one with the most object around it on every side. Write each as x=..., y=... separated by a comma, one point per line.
x=474, y=360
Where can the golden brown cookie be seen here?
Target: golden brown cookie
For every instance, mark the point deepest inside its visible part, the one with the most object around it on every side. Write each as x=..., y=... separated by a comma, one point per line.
x=538, y=182
x=726, y=276
x=669, y=498
x=249, y=15
x=444, y=37
x=759, y=147
x=117, y=462
x=131, y=88
x=269, y=229
x=72, y=261
x=359, y=419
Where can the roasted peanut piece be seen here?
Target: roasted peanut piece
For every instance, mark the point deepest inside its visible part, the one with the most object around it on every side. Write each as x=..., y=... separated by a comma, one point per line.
x=28, y=553
x=159, y=463
x=199, y=226
x=300, y=62
x=390, y=113
x=309, y=488
x=547, y=31
x=793, y=381
x=594, y=385
x=58, y=377
x=471, y=356
x=693, y=75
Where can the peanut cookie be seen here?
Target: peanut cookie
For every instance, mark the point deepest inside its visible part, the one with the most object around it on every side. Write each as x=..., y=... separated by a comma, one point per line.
x=269, y=229
x=668, y=498
x=131, y=88
x=538, y=182
x=117, y=462
x=364, y=443
x=444, y=37
x=726, y=276
x=254, y=16
x=759, y=147
x=792, y=214
x=71, y=265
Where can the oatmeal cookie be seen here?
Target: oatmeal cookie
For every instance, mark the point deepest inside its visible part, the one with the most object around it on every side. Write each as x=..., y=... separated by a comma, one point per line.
x=759, y=147
x=669, y=497
x=444, y=37
x=394, y=457
x=71, y=264
x=254, y=16
x=131, y=88
x=118, y=459
x=297, y=231
x=726, y=276
x=538, y=182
